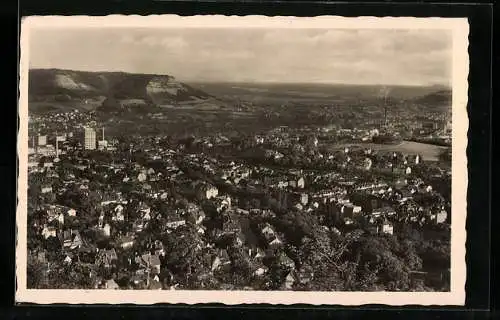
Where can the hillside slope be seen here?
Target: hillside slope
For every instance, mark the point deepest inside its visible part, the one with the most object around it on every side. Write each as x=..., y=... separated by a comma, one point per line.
x=442, y=97
x=52, y=89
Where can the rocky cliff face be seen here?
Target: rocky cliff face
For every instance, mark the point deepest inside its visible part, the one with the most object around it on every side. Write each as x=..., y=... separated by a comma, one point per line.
x=107, y=90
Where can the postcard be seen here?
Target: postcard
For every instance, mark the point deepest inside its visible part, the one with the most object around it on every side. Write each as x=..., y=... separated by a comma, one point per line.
x=242, y=159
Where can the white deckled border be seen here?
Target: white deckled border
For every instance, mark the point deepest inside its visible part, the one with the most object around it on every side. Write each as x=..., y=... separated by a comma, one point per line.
x=460, y=30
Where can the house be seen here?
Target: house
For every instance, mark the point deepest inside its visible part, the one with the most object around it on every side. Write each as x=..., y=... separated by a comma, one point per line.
x=138, y=225
x=77, y=241
x=142, y=177
x=386, y=228
x=304, y=198
x=201, y=230
x=289, y=281
x=175, y=221
x=42, y=257
x=68, y=259
x=206, y=191
x=111, y=285
x=283, y=184
x=106, y=230
x=230, y=225
x=60, y=218
x=441, y=216
x=158, y=247
x=46, y=189
x=126, y=242
x=302, y=276
x=118, y=212
x=48, y=232
x=138, y=280
x=301, y=183
x=276, y=242
x=195, y=214
x=106, y=258
x=220, y=260
x=385, y=211
x=256, y=253
x=145, y=211
x=298, y=206
x=152, y=262
x=347, y=211
x=268, y=232
x=285, y=261
x=118, y=216
x=155, y=284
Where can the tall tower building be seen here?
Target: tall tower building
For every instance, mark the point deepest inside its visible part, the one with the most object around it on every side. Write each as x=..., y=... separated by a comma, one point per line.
x=42, y=140
x=90, y=139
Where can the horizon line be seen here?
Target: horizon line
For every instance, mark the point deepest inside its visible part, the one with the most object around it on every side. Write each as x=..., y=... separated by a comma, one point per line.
x=448, y=86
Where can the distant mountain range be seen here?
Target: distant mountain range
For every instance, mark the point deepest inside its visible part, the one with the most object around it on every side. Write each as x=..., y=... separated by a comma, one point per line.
x=442, y=97
x=55, y=88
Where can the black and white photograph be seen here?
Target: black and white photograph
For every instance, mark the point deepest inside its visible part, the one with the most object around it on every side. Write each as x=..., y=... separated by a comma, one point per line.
x=238, y=160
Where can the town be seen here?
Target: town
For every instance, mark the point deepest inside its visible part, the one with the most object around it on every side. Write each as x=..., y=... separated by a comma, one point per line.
x=289, y=208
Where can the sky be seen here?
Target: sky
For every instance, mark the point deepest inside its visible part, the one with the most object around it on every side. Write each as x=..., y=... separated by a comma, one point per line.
x=364, y=56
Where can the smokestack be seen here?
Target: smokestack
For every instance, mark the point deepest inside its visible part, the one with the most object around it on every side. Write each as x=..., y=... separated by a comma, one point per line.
x=102, y=133
x=57, y=145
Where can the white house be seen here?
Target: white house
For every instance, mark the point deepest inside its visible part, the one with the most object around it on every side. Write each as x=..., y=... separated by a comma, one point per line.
x=368, y=163
x=441, y=216
x=119, y=216
x=387, y=228
x=175, y=223
x=127, y=242
x=283, y=184
x=141, y=177
x=106, y=230
x=301, y=183
x=67, y=260
x=48, y=232
x=260, y=271
x=304, y=198
x=46, y=189
x=60, y=218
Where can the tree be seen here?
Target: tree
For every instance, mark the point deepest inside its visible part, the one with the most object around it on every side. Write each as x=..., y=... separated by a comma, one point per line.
x=182, y=248
x=35, y=272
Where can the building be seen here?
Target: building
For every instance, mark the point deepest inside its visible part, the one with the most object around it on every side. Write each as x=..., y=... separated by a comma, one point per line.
x=90, y=139
x=42, y=140
x=387, y=228
x=102, y=144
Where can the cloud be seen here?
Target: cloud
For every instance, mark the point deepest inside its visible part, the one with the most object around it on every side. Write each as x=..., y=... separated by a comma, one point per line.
x=168, y=42
x=174, y=43
x=302, y=55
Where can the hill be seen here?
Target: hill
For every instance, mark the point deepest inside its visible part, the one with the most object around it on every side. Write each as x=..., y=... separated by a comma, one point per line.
x=53, y=89
x=442, y=97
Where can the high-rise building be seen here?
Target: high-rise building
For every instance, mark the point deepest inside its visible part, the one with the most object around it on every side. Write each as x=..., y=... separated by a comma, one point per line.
x=42, y=140
x=90, y=139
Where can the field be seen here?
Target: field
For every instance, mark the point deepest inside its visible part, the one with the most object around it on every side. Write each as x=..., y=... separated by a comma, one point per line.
x=428, y=152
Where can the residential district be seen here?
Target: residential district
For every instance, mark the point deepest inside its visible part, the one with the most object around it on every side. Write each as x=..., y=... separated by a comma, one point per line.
x=278, y=210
